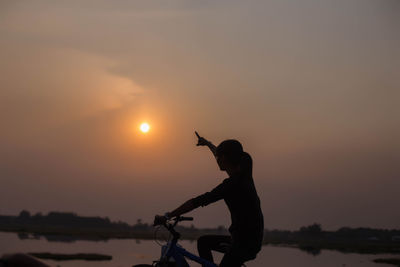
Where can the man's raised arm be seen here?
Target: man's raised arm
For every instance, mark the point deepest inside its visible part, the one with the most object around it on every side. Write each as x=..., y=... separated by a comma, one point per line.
x=204, y=142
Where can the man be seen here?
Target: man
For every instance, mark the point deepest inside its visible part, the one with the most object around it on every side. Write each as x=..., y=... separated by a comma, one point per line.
x=240, y=195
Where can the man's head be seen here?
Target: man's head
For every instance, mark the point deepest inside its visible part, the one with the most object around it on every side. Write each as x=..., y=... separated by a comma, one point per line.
x=229, y=154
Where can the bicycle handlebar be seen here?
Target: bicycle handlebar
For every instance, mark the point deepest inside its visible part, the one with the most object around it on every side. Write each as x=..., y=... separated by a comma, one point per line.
x=161, y=220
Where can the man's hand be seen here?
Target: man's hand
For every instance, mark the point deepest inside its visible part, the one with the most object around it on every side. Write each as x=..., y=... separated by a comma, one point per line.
x=204, y=142
x=201, y=140
x=159, y=220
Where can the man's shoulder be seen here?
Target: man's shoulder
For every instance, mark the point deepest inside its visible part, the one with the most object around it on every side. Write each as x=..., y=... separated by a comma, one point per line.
x=227, y=181
x=230, y=182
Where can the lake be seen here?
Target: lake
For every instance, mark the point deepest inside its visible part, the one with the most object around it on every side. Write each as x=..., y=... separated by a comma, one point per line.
x=126, y=252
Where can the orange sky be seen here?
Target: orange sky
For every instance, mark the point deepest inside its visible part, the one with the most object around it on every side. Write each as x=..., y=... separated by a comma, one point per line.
x=311, y=89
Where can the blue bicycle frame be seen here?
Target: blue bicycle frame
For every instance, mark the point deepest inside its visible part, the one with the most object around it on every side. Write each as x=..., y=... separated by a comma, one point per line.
x=178, y=253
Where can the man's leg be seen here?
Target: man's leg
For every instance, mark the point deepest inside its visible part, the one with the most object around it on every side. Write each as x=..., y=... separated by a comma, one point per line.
x=232, y=258
x=238, y=254
x=206, y=243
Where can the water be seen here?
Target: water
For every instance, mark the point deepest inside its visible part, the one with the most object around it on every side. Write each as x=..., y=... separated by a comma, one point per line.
x=126, y=252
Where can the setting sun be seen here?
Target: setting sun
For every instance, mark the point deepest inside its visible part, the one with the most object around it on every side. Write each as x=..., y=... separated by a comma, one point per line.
x=144, y=127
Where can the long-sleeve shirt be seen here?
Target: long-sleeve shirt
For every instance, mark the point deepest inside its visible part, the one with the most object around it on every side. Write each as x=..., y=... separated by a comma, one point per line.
x=240, y=195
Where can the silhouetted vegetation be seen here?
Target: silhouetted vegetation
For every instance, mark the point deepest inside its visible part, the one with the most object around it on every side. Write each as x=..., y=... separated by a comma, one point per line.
x=63, y=226
x=359, y=240
x=69, y=227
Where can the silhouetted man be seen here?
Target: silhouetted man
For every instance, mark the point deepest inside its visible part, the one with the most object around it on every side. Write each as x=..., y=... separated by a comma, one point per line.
x=240, y=195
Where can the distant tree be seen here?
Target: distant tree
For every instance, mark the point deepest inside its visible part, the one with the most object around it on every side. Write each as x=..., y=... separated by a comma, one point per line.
x=37, y=218
x=140, y=225
x=344, y=229
x=24, y=215
x=311, y=229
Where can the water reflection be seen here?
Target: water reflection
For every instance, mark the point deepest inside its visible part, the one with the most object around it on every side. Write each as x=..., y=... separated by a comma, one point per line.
x=127, y=252
x=59, y=238
x=310, y=250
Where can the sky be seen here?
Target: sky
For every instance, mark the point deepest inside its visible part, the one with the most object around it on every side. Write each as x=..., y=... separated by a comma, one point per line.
x=310, y=88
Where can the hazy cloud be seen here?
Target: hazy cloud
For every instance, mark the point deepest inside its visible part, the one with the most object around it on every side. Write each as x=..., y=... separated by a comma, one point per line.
x=310, y=88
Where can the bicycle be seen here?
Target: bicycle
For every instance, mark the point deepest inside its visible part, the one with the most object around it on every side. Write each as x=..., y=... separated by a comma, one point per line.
x=172, y=254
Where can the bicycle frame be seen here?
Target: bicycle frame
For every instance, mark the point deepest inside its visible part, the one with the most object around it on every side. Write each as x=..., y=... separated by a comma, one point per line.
x=173, y=250
x=178, y=253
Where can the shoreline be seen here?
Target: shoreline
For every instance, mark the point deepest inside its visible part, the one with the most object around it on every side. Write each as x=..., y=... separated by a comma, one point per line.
x=311, y=246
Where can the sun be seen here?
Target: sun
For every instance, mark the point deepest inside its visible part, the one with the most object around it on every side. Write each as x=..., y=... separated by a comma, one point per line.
x=144, y=127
